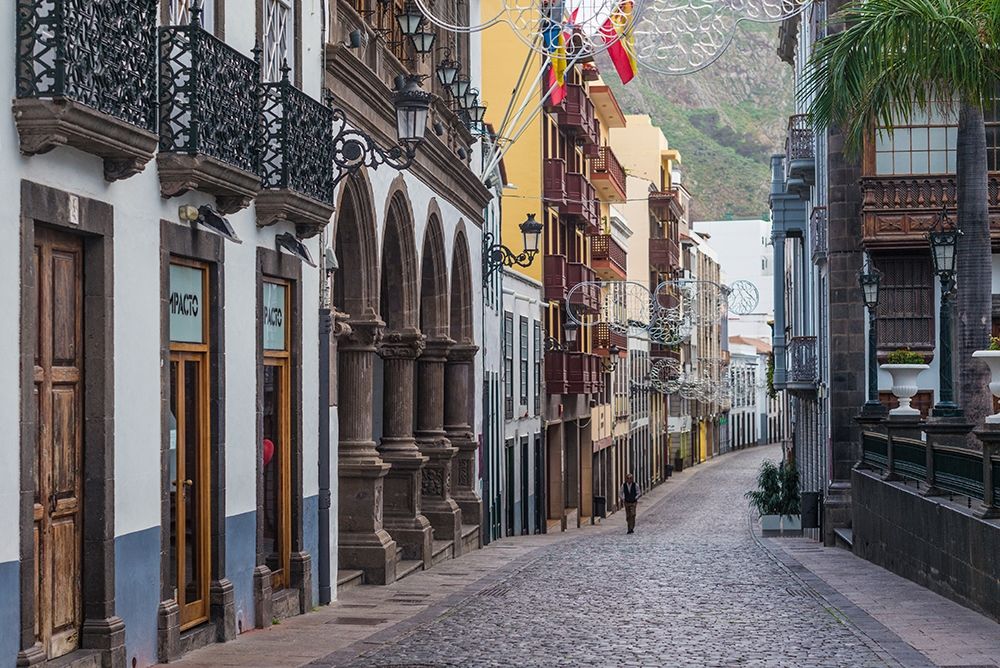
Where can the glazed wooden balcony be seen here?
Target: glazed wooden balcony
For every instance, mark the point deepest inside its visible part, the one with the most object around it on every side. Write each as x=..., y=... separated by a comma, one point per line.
x=605, y=337
x=555, y=372
x=583, y=373
x=572, y=194
x=608, y=176
x=585, y=299
x=664, y=255
x=577, y=117
x=665, y=205
x=899, y=211
x=660, y=350
x=86, y=81
x=554, y=277
x=608, y=258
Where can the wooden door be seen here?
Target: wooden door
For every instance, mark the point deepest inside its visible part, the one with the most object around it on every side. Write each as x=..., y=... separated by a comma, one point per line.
x=58, y=378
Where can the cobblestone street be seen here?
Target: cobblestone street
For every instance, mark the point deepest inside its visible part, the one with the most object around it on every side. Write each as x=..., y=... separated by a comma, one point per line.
x=694, y=586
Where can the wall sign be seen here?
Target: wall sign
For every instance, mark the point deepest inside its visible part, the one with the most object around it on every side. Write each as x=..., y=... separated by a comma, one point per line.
x=274, y=313
x=187, y=304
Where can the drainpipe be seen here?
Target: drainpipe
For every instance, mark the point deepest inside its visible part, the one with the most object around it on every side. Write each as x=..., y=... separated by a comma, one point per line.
x=325, y=587
x=778, y=243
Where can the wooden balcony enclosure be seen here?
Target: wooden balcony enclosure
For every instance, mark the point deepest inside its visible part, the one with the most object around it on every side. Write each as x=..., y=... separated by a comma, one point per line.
x=608, y=259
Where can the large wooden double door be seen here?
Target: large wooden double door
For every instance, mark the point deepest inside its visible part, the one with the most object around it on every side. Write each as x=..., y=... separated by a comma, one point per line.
x=58, y=393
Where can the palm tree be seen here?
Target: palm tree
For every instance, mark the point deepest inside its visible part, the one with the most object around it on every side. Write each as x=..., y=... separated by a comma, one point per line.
x=895, y=56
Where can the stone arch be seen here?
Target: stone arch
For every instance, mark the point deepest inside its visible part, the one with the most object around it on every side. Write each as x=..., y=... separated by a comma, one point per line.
x=460, y=313
x=355, y=286
x=398, y=297
x=433, y=281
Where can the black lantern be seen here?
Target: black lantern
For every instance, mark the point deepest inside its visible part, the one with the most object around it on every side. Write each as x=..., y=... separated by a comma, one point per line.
x=469, y=100
x=477, y=113
x=459, y=87
x=412, y=104
x=409, y=20
x=944, y=241
x=572, y=331
x=353, y=149
x=447, y=71
x=423, y=41
x=497, y=255
x=869, y=280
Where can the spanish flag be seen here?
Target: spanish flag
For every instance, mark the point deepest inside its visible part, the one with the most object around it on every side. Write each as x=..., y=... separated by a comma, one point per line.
x=618, y=35
x=556, y=40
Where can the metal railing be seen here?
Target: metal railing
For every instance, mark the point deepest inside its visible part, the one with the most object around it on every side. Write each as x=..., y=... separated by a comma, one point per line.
x=819, y=228
x=943, y=468
x=606, y=162
x=101, y=54
x=799, y=144
x=210, y=103
x=298, y=142
x=604, y=247
x=803, y=364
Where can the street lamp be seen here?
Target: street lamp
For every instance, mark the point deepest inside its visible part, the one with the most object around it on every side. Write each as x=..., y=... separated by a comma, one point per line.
x=869, y=278
x=611, y=363
x=497, y=255
x=409, y=19
x=447, y=71
x=354, y=149
x=944, y=240
x=572, y=332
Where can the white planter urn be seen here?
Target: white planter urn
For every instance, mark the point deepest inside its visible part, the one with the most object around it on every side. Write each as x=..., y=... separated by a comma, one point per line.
x=992, y=359
x=904, y=385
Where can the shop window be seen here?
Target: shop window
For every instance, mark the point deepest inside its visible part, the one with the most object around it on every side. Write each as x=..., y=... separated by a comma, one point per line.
x=277, y=443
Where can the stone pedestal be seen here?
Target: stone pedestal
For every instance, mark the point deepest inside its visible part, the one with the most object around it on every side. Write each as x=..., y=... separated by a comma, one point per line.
x=436, y=501
x=403, y=519
x=952, y=431
x=458, y=411
x=363, y=542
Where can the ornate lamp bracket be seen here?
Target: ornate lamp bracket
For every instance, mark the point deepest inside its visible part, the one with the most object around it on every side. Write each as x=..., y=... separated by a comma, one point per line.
x=497, y=255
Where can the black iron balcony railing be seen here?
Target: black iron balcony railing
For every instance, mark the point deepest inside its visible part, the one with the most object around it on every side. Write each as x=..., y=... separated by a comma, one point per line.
x=799, y=144
x=101, y=54
x=803, y=367
x=298, y=142
x=208, y=103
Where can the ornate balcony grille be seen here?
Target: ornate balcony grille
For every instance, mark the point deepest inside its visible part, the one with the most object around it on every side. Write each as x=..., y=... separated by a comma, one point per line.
x=298, y=142
x=210, y=101
x=804, y=364
x=101, y=54
x=818, y=225
x=799, y=144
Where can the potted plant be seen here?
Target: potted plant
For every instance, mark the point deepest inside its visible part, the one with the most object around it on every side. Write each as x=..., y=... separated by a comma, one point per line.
x=777, y=498
x=904, y=366
x=992, y=358
x=678, y=461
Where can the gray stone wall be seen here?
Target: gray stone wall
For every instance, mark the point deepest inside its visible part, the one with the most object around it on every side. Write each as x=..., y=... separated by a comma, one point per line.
x=937, y=544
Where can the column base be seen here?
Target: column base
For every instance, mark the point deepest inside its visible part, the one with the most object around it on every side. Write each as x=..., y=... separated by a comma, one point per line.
x=374, y=554
x=403, y=519
x=106, y=636
x=168, y=632
x=436, y=502
x=222, y=609
x=464, y=487
x=263, y=597
x=300, y=566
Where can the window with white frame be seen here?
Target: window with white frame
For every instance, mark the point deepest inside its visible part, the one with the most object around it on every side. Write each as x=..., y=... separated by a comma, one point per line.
x=523, y=324
x=179, y=12
x=508, y=364
x=278, y=38
x=538, y=365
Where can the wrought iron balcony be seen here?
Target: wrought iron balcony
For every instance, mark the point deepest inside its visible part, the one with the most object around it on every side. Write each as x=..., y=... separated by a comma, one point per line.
x=803, y=367
x=554, y=277
x=800, y=150
x=664, y=255
x=210, y=109
x=297, y=165
x=899, y=211
x=586, y=299
x=608, y=258
x=665, y=205
x=608, y=175
x=86, y=78
x=819, y=231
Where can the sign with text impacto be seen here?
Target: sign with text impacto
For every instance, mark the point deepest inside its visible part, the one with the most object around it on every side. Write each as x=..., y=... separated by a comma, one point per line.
x=186, y=304
x=274, y=311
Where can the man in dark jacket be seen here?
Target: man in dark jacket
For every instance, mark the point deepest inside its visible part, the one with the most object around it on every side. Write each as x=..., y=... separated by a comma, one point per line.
x=629, y=495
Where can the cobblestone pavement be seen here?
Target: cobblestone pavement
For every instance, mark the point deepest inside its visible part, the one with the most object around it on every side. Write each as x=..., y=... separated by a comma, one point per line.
x=693, y=587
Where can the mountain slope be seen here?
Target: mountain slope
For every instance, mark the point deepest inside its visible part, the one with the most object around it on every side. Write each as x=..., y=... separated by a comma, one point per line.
x=726, y=121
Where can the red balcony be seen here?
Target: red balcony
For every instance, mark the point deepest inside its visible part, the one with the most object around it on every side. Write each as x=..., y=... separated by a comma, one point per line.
x=554, y=180
x=608, y=259
x=555, y=372
x=577, y=117
x=554, y=277
x=583, y=373
x=899, y=211
x=659, y=350
x=587, y=298
x=580, y=203
x=665, y=205
x=605, y=337
x=608, y=175
x=664, y=255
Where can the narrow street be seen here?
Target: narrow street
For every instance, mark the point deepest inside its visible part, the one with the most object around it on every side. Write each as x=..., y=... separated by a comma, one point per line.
x=692, y=588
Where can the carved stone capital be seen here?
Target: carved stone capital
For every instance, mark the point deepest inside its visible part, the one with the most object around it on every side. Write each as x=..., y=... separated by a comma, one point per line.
x=408, y=344
x=362, y=335
x=462, y=352
x=436, y=349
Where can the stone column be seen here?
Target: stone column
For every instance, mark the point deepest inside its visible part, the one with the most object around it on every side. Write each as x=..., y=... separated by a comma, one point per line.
x=403, y=519
x=363, y=542
x=436, y=502
x=459, y=395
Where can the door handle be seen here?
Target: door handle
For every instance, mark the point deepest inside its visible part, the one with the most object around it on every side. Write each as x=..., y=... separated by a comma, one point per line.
x=188, y=483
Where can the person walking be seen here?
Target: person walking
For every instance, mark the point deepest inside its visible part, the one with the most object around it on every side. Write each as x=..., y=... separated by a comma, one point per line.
x=629, y=495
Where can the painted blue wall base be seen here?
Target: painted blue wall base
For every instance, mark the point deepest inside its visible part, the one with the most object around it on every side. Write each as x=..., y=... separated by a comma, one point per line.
x=137, y=592
x=310, y=540
x=241, y=558
x=10, y=611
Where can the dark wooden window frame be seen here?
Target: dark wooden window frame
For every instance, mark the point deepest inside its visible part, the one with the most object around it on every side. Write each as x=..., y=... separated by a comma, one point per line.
x=889, y=313
x=92, y=220
x=183, y=242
